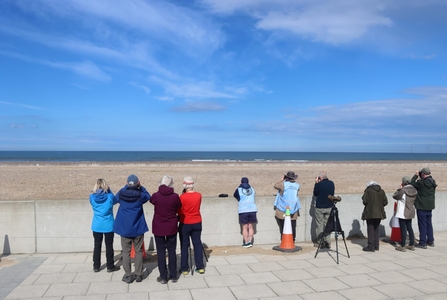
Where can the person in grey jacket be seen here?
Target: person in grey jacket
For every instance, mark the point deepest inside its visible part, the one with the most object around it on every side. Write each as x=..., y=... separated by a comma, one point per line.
x=405, y=212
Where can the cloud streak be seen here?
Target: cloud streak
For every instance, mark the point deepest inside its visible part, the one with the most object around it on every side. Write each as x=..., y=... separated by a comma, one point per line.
x=22, y=105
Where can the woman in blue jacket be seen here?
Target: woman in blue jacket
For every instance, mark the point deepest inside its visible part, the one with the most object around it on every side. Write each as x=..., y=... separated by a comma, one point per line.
x=102, y=201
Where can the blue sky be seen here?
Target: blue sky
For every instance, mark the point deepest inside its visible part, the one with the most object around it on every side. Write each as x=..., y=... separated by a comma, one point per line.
x=241, y=75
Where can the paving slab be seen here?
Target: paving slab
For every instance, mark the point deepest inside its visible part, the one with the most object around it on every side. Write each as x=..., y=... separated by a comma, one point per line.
x=386, y=274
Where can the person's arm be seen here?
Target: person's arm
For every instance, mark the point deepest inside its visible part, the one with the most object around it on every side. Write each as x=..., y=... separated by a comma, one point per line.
x=279, y=186
x=398, y=194
x=385, y=199
x=236, y=195
x=145, y=194
x=365, y=197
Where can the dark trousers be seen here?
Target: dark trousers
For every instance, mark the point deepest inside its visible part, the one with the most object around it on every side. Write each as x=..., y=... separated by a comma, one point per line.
x=193, y=231
x=168, y=243
x=373, y=233
x=425, y=227
x=280, y=223
x=405, y=224
x=98, y=237
x=126, y=246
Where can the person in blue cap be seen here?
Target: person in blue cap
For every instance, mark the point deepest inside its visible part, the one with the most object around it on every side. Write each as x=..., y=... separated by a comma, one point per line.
x=131, y=225
x=245, y=195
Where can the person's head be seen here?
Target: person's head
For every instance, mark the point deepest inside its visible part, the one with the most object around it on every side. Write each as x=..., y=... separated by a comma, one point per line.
x=406, y=180
x=290, y=176
x=371, y=183
x=167, y=180
x=244, y=183
x=133, y=180
x=424, y=172
x=322, y=175
x=188, y=183
x=101, y=184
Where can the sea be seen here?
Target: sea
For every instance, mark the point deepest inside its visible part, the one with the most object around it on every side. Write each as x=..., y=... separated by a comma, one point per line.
x=204, y=156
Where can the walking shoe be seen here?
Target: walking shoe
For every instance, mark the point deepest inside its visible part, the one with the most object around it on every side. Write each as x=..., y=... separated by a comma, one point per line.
x=410, y=247
x=128, y=279
x=421, y=246
x=400, y=248
x=96, y=270
x=247, y=245
x=368, y=249
x=174, y=280
x=139, y=278
x=431, y=244
x=327, y=245
x=185, y=272
x=162, y=280
x=200, y=271
x=115, y=268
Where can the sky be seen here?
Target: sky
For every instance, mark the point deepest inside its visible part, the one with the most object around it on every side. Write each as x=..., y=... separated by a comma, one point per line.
x=233, y=75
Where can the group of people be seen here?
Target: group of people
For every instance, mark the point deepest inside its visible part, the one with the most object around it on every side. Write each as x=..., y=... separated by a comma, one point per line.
x=180, y=214
x=415, y=196
x=173, y=214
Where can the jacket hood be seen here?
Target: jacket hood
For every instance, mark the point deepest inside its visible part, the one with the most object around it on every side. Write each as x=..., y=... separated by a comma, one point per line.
x=100, y=196
x=130, y=194
x=165, y=190
x=410, y=190
x=429, y=182
x=375, y=187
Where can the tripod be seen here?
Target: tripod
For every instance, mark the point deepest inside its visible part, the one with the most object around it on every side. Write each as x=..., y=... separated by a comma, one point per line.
x=333, y=225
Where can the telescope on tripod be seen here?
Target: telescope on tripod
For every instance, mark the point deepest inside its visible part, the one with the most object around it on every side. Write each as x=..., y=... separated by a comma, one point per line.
x=333, y=225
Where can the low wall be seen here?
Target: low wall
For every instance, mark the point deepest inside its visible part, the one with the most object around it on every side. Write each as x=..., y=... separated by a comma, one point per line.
x=44, y=226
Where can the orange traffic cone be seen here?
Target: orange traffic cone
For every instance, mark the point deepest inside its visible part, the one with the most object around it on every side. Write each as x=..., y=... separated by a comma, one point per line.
x=132, y=251
x=287, y=243
x=395, y=228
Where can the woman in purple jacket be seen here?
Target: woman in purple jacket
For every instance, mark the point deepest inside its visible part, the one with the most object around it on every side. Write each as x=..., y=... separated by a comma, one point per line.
x=165, y=227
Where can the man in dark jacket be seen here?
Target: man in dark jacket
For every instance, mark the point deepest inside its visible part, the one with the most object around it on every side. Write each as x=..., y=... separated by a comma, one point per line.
x=322, y=189
x=425, y=203
x=375, y=200
x=131, y=225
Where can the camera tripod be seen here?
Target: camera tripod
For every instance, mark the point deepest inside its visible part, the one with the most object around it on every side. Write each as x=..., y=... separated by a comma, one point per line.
x=333, y=225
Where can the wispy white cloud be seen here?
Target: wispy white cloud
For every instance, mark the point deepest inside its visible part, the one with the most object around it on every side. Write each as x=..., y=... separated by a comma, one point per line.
x=22, y=105
x=199, y=106
x=411, y=117
x=195, y=89
x=332, y=22
x=144, y=88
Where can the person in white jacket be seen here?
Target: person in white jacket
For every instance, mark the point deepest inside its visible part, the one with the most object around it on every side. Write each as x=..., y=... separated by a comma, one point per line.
x=405, y=212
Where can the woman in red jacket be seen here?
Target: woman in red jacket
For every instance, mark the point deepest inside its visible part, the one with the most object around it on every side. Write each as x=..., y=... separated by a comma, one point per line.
x=190, y=226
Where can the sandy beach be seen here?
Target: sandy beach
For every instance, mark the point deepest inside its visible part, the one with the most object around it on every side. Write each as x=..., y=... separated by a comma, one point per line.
x=64, y=181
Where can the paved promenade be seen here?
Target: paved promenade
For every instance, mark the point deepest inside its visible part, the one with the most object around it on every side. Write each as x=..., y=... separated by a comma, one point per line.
x=386, y=274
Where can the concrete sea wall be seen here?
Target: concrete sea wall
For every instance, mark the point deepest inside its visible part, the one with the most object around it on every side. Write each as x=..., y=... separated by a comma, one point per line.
x=51, y=226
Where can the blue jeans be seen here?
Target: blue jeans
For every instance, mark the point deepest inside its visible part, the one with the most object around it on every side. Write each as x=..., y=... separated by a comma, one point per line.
x=194, y=231
x=425, y=227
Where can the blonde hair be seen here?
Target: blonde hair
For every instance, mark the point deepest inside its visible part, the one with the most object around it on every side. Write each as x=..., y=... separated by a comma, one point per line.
x=188, y=182
x=100, y=184
x=167, y=180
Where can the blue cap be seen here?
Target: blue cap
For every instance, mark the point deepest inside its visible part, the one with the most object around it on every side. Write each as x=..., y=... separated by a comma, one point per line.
x=132, y=179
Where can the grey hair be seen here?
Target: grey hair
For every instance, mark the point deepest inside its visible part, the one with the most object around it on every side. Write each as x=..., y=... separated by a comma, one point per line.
x=323, y=175
x=188, y=182
x=100, y=184
x=371, y=183
x=167, y=180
